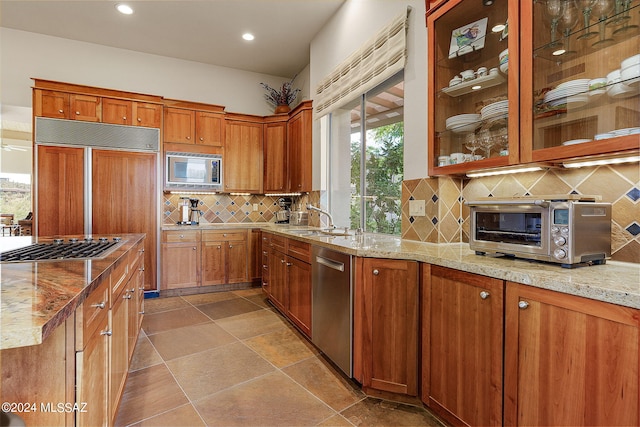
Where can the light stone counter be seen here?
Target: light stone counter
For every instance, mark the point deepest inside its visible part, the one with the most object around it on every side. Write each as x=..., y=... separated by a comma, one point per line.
x=37, y=297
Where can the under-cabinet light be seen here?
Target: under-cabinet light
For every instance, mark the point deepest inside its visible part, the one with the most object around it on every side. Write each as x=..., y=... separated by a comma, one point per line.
x=187, y=193
x=504, y=171
x=602, y=161
x=283, y=194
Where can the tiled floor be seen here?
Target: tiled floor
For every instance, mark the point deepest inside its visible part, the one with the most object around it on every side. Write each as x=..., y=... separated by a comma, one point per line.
x=230, y=359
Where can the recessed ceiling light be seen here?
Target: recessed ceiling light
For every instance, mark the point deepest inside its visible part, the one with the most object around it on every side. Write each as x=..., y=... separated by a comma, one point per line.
x=124, y=9
x=248, y=36
x=498, y=28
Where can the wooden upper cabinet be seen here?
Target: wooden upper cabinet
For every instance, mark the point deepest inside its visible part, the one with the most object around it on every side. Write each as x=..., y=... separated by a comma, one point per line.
x=131, y=113
x=179, y=125
x=299, y=150
x=243, y=156
x=209, y=128
x=275, y=156
x=61, y=105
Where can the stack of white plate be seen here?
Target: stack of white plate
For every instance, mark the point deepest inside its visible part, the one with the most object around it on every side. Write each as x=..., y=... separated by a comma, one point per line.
x=574, y=93
x=495, y=111
x=463, y=123
x=630, y=70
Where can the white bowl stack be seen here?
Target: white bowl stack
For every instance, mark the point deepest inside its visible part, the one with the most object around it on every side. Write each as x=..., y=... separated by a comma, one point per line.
x=495, y=111
x=574, y=93
x=630, y=70
x=463, y=123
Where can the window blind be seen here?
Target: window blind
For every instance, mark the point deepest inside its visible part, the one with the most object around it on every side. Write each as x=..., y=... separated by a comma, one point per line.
x=377, y=60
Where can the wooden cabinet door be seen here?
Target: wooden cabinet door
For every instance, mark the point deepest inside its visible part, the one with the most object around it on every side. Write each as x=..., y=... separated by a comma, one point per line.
x=462, y=346
x=299, y=293
x=147, y=115
x=570, y=360
x=277, y=279
x=179, y=125
x=237, y=257
x=85, y=107
x=255, y=254
x=92, y=378
x=133, y=294
x=180, y=265
x=275, y=157
x=266, y=240
x=243, y=157
x=119, y=352
x=52, y=104
x=213, y=263
x=125, y=200
x=390, y=343
x=299, y=146
x=209, y=129
x=60, y=190
x=117, y=111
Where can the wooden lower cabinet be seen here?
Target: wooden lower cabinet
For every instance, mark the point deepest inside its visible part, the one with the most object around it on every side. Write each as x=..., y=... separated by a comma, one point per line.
x=224, y=257
x=462, y=330
x=278, y=279
x=298, y=279
x=386, y=324
x=180, y=259
x=570, y=360
x=92, y=382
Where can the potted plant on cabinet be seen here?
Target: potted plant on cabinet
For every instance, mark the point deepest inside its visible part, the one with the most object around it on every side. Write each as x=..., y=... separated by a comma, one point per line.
x=283, y=97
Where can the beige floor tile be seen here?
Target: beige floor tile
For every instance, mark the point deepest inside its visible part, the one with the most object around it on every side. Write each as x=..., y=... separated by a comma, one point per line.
x=260, y=300
x=232, y=307
x=200, y=299
x=190, y=339
x=271, y=400
x=246, y=293
x=184, y=416
x=282, y=348
x=144, y=355
x=252, y=324
x=149, y=392
x=210, y=371
x=321, y=379
x=376, y=412
x=160, y=322
x=336, y=421
x=158, y=305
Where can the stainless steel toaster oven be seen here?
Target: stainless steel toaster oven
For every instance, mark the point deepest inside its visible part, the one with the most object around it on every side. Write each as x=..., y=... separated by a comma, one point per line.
x=569, y=230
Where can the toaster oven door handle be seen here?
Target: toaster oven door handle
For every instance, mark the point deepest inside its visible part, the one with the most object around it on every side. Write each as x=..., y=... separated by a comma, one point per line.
x=542, y=203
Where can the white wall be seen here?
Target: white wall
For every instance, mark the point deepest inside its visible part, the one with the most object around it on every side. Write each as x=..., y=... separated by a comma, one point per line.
x=24, y=55
x=354, y=24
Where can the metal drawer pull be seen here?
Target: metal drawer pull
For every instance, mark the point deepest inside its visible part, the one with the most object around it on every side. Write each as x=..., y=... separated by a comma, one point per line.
x=376, y=272
x=107, y=333
x=523, y=304
x=484, y=294
x=330, y=263
x=99, y=305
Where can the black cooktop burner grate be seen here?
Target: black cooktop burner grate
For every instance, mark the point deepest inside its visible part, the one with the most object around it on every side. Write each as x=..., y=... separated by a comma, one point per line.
x=60, y=250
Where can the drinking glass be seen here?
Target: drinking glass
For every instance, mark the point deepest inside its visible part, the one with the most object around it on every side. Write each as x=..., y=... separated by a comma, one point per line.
x=586, y=6
x=554, y=10
x=471, y=143
x=602, y=9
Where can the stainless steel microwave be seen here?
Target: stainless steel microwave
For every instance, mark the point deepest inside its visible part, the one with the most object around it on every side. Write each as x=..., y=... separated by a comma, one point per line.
x=193, y=171
x=570, y=230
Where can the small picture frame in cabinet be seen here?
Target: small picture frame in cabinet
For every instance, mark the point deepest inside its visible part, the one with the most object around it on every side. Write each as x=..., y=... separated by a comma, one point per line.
x=468, y=38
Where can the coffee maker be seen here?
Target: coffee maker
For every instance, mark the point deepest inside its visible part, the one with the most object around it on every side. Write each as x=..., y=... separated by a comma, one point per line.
x=194, y=215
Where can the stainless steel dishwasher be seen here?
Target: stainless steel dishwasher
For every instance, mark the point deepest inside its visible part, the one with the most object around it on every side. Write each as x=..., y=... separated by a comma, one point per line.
x=332, y=306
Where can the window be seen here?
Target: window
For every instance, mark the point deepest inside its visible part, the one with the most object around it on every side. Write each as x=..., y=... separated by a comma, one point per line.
x=366, y=160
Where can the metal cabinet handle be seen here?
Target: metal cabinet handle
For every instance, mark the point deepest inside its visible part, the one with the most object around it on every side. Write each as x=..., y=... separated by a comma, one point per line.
x=376, y=272
x=281, y=261
x=60, y=111
x=141, y=269
x=182, y=236
x=523, y=304
x=141, y=312
x=289, y=264
x=77, y=113
x=107, y=333
x=127, y=296
x=139, y=119
x=195, y=248
x=188, y=138
x=218, y=246
x=484, y=294
x=98, y=305
x=201, y=139
x=230, y=246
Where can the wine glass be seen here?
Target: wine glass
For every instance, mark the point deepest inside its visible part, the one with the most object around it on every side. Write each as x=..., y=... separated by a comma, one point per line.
x=471, y=144
x=567, y=23
x=554, y=10
x=602, y=9
x=586, y=6
x=486, y=141
x=625, y=17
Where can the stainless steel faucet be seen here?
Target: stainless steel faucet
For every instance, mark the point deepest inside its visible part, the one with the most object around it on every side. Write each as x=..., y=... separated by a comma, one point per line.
x=313, y=208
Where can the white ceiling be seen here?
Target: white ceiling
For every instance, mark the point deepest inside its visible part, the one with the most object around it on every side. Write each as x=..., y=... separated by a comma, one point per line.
x=203, y=31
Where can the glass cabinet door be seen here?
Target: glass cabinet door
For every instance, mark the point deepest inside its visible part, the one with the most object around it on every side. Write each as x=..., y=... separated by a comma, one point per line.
x=473, y=98
x=582, y=95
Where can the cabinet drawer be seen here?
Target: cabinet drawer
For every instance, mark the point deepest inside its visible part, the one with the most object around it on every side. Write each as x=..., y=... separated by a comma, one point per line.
x=118, y=279
x=181, y=236
x=92, y=313
x=226, y=235
x=135, y=255
x=300, y=250
x=279, y=243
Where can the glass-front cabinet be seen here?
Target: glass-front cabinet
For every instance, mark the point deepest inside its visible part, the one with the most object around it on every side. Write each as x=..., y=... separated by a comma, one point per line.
x=473, y=101
x=514, y=82
x=582, y=96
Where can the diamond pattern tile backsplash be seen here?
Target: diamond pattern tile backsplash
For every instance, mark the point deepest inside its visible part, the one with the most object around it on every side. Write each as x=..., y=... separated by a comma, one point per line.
x=447, y=217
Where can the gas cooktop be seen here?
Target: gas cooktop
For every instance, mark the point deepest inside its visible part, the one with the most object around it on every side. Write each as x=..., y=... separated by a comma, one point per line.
x=59, y=249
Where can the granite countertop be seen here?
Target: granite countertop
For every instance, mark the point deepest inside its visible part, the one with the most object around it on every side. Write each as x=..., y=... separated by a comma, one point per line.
x=37, y=297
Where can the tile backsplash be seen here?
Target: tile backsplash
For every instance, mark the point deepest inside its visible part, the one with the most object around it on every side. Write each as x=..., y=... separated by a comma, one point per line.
x=447, y=217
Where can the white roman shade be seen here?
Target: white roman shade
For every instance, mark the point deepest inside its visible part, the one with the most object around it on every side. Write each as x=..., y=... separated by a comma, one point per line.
x=377, y=60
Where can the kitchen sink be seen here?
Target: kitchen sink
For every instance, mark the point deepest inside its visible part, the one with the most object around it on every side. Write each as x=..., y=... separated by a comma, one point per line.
x=306, y=232
x=324, y=232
